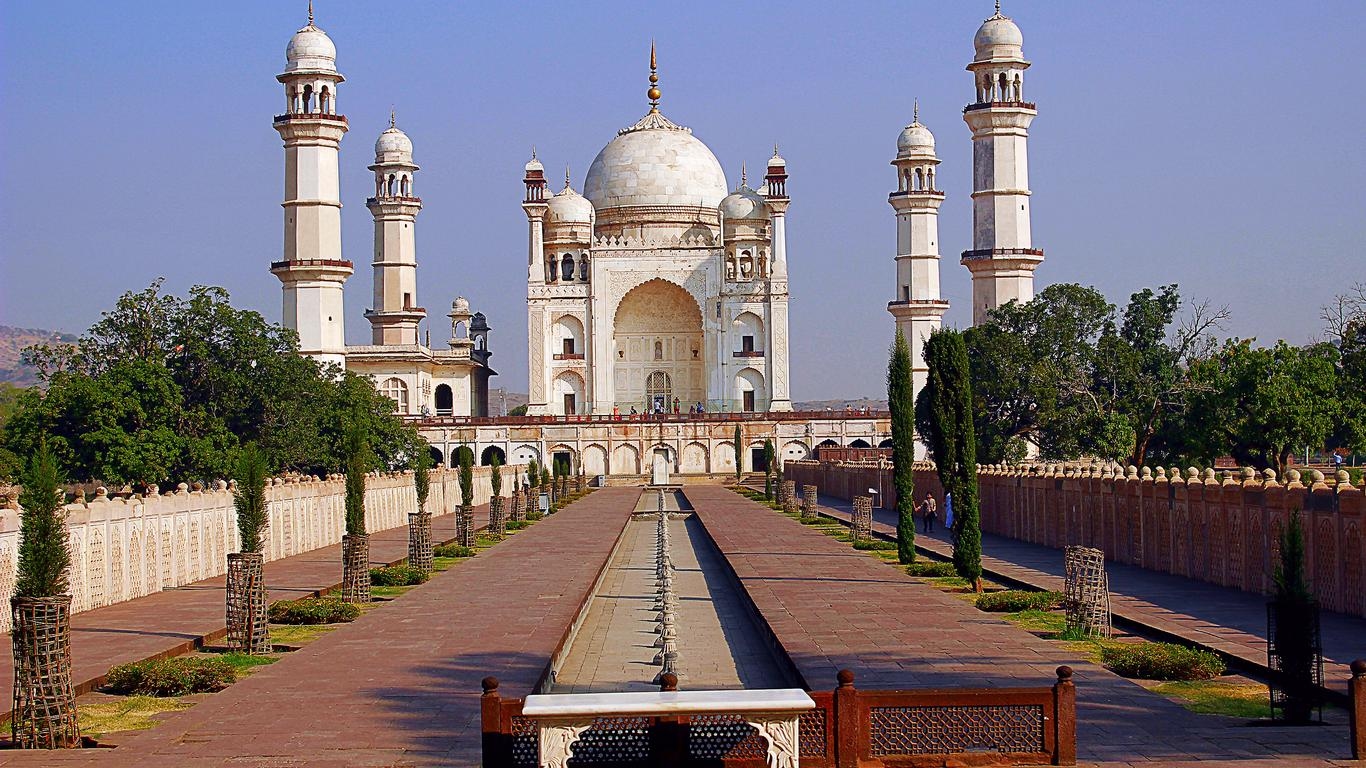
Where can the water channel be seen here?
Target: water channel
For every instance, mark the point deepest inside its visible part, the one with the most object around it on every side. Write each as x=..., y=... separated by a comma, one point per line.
x=719, y=645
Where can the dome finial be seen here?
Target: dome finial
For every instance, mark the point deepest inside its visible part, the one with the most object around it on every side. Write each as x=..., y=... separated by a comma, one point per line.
x=566, y=175
x=775, y=149
x=744, y=176
x=998, y=11
x=533, y=151
x=393, y=118
x=653, y=93
x=310, y=13
x=915, y=113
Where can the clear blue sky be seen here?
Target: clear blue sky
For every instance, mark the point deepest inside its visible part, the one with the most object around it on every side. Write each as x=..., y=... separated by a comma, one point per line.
x=1213, y=144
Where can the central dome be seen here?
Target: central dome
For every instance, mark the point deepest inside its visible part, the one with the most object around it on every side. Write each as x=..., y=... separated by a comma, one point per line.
x=655, y=162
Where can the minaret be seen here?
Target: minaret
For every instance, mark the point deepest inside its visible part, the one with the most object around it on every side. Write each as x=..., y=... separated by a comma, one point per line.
x=917, y=307
x=538, y=322
x=1003, y=259
x=775, y=188
x=313, y=271
x=396, y=315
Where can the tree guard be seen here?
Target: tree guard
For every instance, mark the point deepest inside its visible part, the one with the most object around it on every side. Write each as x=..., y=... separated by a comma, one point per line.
x=1086, y=591
x=497, y=526
x=44, y=714
x=789, y=496
x=420, y=541
x=464, y=528
x=863, y=518
x=356, y=568
x=809, y=502
x=248, y=625
x=518, y=510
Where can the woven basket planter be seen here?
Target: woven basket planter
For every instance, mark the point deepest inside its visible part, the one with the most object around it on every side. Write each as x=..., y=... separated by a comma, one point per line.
x=44, y=714
x=518, y=513
x=356, y=568
x=497, y=523
x=464, y=526
x=809, y=502
x=863, y=518
x=248, y=625
x=789, y=497
x=420, y=541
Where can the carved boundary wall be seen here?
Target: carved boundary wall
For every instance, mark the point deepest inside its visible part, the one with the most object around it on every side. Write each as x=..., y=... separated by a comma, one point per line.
x=123, y=549
x=1223, y=531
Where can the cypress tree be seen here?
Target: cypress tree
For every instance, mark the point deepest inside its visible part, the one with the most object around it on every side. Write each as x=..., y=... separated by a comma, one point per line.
x=1296, y=616
x=901, y=400
x=768, y=470
x=43, y=557
x=948, y=429
x=359, y=459
x=422, y=480
x=466, y=478
x=249, y=497
x=739, y=457
x=496, y=475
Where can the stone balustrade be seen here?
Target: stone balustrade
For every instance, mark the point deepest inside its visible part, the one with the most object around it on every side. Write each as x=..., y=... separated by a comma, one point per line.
x=125, y=548
x=1219, y=527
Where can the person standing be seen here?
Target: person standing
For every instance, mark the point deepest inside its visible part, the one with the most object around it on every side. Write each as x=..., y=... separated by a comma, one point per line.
x=948, y=518
x=929, y=510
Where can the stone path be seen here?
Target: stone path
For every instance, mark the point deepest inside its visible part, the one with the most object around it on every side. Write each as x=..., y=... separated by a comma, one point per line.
x=832, y=607
x=173, y=621
x=400, y=685
x=719, y=645
x=1229, y=621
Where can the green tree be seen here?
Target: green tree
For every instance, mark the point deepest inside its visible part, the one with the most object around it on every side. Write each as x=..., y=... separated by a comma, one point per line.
x=44, y=560
x=948, y=431
x=496, y=475
x=359, y=460
x=900, y=398
x=422, y=478
x=768, y=469
x=1296, y=618
x=533, y=474
x=249, y=497
x=1345, y=325
x=739, y=457
x=466, y=477
x=1262, y=405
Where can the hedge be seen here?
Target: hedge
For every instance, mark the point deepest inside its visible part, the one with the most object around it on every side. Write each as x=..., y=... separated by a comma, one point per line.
x=1161, y=661
x=928, y=568
x=453, y=550
x=396, y=576
x=313, y=610
x=170, y=677
x=1013, y=600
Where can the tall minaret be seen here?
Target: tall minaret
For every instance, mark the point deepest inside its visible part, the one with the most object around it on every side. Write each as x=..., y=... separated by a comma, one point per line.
x=396, y=315
x=535, y=205
x=918, y=308
x=1003, y=259
x=313, y=271
x=775, y=188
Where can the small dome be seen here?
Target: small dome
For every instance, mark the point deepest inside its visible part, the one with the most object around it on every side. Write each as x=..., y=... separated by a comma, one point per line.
x=777, y=160
x=915, y=139
x=998, y=38
x=311, y=48
x=393, y=141
x=461, y=306
x=744, y=204
x=534, y=165
x=569, y=207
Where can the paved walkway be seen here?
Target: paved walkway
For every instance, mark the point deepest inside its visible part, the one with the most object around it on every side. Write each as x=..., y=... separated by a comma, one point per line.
x=719, y=645
x=173, y=621
x=832, y=607
x=400, y=685
x=1229, y=621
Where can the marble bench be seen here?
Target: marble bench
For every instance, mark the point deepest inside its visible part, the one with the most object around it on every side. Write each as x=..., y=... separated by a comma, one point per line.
x=561, y=718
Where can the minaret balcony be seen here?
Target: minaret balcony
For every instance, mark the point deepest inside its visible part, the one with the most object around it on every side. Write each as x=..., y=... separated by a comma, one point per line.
x=1000, y=105
x=918, y=193
x=293, y=116
x=993, y=253
x=317, y=264
x=393, y=199
x=919, y=308
x=568, y=355
x=747, y=353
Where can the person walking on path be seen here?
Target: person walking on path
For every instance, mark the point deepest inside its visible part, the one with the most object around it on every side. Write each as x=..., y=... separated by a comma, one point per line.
x=928, y=511
x=948, y=518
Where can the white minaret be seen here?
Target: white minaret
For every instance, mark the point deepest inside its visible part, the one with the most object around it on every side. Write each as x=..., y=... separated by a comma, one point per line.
x=775, y=188
x=917, y=307
x=538, y=321
x=313, y=271
x=1003, y=259
x=396, y=314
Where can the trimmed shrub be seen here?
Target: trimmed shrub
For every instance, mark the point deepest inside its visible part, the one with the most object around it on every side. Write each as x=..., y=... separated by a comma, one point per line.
x=171, y=677
x=928, y=567
x=453, y=550
x=1161, y=661
x=876, y=545
x=397, y=576
x=516, y=525
x=1014, y=600
x=532, y=515
x=313, y=610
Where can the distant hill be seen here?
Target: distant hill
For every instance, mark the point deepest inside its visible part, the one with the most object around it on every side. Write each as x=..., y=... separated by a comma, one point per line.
x=13, y=341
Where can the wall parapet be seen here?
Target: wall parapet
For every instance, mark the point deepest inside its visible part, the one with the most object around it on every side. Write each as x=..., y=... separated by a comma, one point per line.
x=1218, y=527
x=125, y=548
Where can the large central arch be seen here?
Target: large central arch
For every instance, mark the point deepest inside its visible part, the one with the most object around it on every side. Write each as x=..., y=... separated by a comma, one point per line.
x=657, y=329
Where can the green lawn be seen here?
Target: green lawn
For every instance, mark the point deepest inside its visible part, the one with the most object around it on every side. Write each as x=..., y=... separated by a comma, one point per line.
x=130, y=713
x=1232, y=698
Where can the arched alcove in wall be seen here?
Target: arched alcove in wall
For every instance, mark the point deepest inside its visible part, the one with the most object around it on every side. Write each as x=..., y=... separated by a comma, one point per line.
x=657, y=327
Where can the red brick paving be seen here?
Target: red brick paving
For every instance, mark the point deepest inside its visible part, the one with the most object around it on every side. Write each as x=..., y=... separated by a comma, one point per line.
x=1226, y=620
x=832, y=607
x=400, y=685
x=171, y=621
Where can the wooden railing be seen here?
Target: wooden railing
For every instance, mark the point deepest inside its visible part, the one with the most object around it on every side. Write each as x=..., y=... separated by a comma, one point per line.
x=848, y=728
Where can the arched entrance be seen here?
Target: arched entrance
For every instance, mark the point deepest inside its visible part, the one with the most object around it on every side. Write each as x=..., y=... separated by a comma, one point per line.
x=438, y=457
x=486, y=458
x=445, y=402
x=657, y=348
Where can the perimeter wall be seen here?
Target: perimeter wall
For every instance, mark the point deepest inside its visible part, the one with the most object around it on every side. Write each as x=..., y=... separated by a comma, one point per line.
x=1220, y=530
